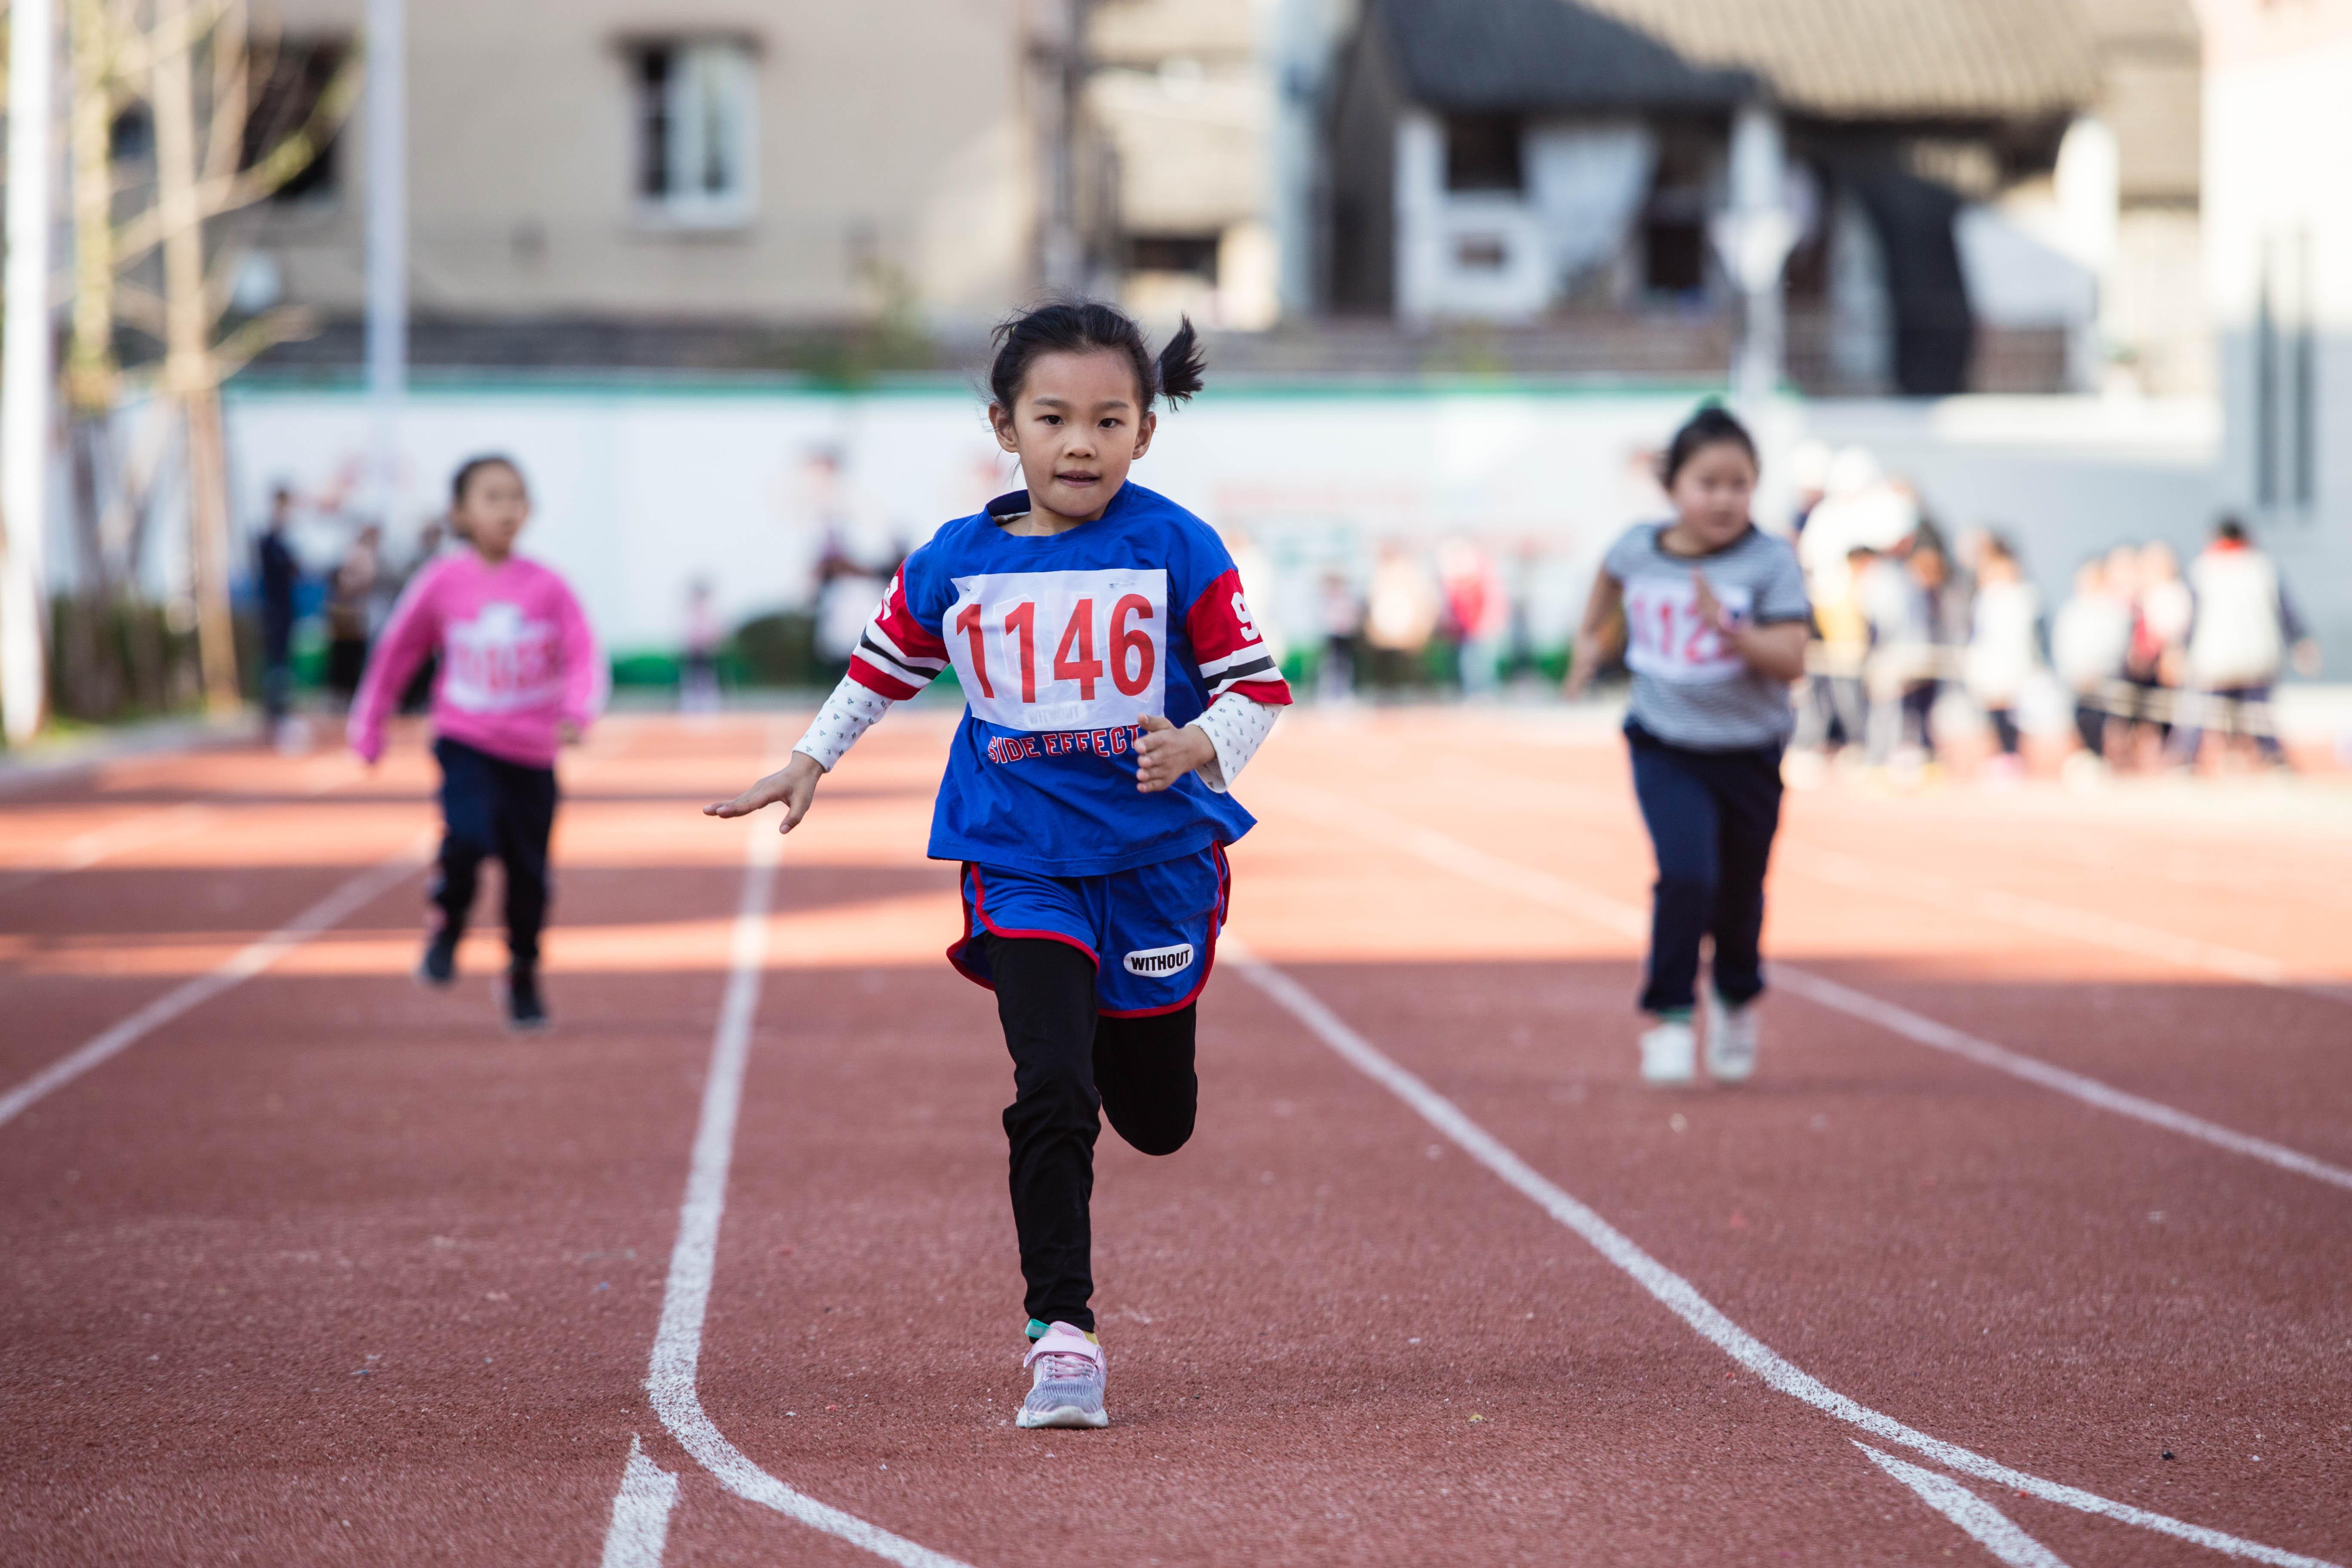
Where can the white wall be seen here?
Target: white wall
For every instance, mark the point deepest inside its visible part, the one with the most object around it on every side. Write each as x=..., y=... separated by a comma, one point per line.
x=640, y=491
x=2278, y=116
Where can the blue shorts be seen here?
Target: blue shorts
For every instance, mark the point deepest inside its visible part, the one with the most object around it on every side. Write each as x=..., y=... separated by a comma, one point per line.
x=1151, y=931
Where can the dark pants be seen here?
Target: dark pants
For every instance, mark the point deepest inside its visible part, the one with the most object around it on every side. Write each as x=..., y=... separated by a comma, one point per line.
x=491, y=806
x=2091, y=727
x=2004, y=728
x=1711, y=816
x=1066, y=1062
x=1918, y=703
x=277, y=661
x=346, y=664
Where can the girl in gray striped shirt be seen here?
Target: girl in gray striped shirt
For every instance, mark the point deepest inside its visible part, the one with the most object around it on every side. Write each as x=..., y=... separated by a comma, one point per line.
x=1711, y=613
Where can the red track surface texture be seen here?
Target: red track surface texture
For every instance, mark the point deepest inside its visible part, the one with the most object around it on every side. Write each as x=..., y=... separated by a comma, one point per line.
x=307, y=1264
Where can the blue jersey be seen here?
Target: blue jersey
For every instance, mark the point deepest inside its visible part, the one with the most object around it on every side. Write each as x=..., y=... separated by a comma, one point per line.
x=1062, y=645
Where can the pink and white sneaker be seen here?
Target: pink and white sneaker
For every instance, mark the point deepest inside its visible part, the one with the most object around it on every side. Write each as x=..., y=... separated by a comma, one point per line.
x=1066, y=1387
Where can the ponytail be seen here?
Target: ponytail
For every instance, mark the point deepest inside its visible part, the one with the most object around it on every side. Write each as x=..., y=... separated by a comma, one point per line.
x=1078, y=326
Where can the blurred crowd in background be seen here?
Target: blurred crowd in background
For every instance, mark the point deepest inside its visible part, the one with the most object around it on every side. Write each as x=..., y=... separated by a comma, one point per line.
x=1931, y=642
x=1929, y=639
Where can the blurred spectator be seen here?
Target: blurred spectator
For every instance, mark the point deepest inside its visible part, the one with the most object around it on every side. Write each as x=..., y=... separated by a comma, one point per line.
x=2004, y=646
x=417, y=695
x=1904, y=601
x=2088, y=643
x=1835, y=711
x=1808, y=473
x=353, y=612
x=280, y=574
x=1343, y=624
x=846, y=596
x=2162, y=610
x=698, y=683
x=2243, y=629
x=1400, y=617
x=1477, y=613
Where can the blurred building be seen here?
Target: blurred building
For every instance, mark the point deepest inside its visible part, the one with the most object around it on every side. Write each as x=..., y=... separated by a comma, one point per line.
x=630, y=181
x=2278, y=256
x=1999, y=194
x=1181, y=93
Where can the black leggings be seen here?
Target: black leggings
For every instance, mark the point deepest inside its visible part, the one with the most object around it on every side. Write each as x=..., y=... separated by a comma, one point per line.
x=491, y=806
x=1067, y=1061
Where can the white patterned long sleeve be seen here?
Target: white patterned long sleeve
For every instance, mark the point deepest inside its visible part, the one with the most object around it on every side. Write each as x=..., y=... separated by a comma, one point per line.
x=1237, y=726
x=849, y=712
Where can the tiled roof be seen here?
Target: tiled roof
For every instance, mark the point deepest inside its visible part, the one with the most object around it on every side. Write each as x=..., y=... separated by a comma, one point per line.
x=1866, y=59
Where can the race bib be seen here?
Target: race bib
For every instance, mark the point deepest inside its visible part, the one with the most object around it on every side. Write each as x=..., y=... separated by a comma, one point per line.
x=1061, y=650
x=1667, y=639
x=500, y=662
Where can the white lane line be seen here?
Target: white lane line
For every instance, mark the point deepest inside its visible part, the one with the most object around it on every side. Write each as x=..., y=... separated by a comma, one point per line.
x=1680, y=1296
x=2014, y=908
x=83, y=850
x=235, y=970
x=640, y=1528
x=685, y=1297
x=1987, y=1525
x=2056, y=919
x=1627, y=919
x=2089, y=1090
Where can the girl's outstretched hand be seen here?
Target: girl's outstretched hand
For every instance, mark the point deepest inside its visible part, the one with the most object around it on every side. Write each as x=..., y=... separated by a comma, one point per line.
x=1163, y=753
x=794, y=785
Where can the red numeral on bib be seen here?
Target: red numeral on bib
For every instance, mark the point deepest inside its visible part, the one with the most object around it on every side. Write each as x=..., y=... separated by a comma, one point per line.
x=1123, y=638
x=1021, y=621
x=968, y=623
x=1086, y=670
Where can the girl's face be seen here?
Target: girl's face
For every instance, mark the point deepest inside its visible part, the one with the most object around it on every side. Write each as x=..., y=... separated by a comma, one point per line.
x=1711, y=492
x=492, y=511
x=1078, y=425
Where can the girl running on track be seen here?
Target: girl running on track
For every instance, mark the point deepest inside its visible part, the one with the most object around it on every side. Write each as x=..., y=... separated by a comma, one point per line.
x=1715, y=613
x=519, y=677
x=1115, y=686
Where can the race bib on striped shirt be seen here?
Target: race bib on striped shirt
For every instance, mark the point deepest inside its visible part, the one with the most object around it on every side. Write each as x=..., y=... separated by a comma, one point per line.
x=1060, y=650
x=1666, y=637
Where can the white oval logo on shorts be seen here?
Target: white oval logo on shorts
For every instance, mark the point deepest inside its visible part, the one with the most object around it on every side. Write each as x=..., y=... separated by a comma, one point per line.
x=1160, y=960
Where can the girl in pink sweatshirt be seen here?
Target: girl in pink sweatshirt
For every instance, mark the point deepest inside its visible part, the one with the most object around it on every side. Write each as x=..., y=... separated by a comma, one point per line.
x=520, y=675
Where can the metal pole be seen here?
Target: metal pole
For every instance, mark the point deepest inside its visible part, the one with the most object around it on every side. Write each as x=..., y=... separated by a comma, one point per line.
x=387, y=242
x=26, y=381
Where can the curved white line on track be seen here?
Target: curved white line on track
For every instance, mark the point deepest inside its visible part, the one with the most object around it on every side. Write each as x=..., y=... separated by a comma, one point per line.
x=235, y=970
x=1468, y=861
x=1680, y=1296
x=640, y=1527
x=685, y=1297
x=1990, y=1528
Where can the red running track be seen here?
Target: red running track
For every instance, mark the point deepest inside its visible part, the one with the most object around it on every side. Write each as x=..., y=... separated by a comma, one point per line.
x=327, y=1268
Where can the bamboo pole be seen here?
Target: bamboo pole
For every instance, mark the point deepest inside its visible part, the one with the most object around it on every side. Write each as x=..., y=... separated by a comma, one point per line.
x=26, y=389
x=187, y=359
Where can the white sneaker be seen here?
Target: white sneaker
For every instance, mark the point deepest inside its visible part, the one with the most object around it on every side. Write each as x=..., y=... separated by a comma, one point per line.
x=1730, y=1039
x=1066, y=1376
x=1669, y=1052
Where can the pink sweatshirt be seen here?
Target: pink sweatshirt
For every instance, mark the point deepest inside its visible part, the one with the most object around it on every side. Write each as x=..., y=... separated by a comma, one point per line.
x=517, y=659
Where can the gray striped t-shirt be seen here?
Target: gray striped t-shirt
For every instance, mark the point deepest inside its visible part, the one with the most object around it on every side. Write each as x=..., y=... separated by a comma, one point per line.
x=1688, y=688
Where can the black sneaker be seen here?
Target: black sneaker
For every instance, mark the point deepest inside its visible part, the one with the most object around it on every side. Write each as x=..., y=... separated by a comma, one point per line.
x=525, y=1011
x=438, y=967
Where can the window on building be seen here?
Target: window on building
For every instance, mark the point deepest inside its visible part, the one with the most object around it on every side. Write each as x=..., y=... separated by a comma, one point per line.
x=2286, y=415
x=290, y=84
x=695, y=130
x=1194, y=254
x=1482, y=152
x=1673, y=218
